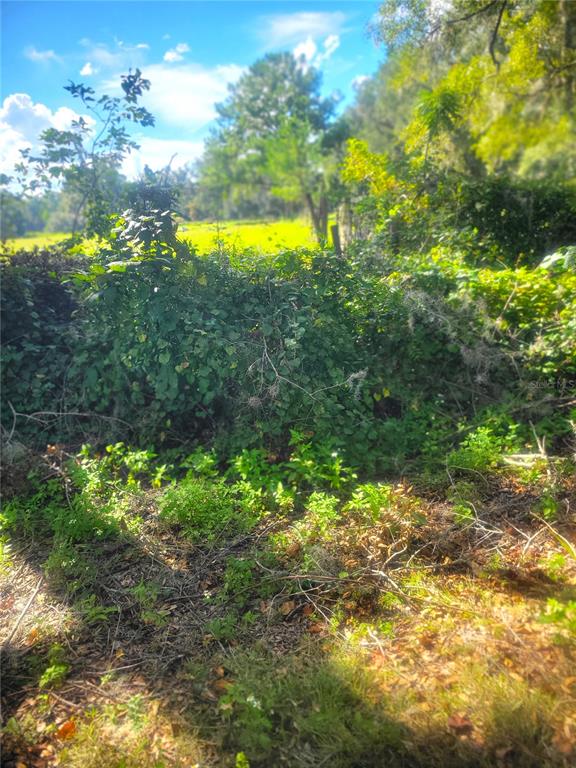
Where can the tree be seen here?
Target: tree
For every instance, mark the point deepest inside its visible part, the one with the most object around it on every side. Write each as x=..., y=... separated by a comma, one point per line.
x=85, y=159
x=491, y=84
x=472, y=118
x=275, y=134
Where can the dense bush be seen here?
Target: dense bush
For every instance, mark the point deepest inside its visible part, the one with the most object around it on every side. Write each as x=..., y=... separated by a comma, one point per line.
x=525, y=220
x=352, y=353
x=37, y=329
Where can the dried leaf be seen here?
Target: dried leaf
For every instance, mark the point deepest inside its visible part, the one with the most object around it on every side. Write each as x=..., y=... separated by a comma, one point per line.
x=67, y=730
x=293, y=549
x=7, y=603
x=221, y=685
x=460, y=724
x=287, y=607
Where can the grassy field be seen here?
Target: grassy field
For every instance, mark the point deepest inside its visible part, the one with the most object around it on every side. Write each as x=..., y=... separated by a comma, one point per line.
x=264, y=236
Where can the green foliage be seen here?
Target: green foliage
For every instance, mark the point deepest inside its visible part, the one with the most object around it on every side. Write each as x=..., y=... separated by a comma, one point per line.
x=307, y=369
x=562, y=615
x=238, y=580
x=86, y=160
x=205, y=510
x=471, y=114
x=92, y=611
x=309, y=465
x=554, y=566
x=274, y=136
x=146, y=594
x=57, y=670
x=36, y=327
x=479, y=452
x=67, y=568
x=320, y=517
x=224, y=627
x=201, y=462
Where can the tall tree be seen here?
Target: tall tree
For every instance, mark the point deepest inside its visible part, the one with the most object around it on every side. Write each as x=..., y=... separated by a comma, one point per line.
x=490, y=85
x=275, y=133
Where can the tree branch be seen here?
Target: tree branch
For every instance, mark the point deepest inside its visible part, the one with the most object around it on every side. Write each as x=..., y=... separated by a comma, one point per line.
x=495, y=34
x=468, y=16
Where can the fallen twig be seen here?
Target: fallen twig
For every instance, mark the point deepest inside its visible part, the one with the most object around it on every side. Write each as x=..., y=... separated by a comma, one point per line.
x=22, y=614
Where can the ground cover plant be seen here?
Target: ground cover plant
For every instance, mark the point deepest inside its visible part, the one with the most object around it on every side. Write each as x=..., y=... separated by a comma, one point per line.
x=274, y=502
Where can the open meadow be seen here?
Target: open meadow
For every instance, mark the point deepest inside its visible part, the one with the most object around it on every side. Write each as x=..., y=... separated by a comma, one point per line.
x=262, y=236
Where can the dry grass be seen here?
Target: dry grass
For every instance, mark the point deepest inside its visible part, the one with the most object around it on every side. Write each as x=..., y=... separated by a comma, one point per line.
x=428, y=651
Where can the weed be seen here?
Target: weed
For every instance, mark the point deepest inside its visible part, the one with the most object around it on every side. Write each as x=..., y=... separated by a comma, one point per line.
x=316, y=706
x=146, y=594
x=320, y=518
x=238, y=579
x=372, y=503
x=309, y=465
x=548, y=506
x=57, y=670
x=6, y=561
x=67, y=568
x=128, y=736
x=205, y=510
x=21, y=729
x=463, y=513
x=223, y=628
x=94, y=612
x=562, y=615
x=201, y=463
x=554, y=566
x=479, y=452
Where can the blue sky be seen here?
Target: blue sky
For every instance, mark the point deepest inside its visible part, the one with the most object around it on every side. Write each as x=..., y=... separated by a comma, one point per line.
x=190, y=51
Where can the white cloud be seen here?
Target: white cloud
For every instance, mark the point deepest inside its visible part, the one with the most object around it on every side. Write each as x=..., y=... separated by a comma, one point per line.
x=88, y=70
x=331, y=44
x=307, y=49
x=359, y=80
x=34, y=54
x=157, y=153
x=184, y=95
x=310, y=53
x=120, y=56
x=290, y=28
x=175, y=54
x=21, y=123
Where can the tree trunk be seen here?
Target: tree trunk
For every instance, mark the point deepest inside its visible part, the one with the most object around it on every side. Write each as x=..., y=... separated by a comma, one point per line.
x=568, y=17
x=319, y=216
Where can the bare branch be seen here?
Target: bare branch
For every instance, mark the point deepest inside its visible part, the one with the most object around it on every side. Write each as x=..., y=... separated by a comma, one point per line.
x=494, y=37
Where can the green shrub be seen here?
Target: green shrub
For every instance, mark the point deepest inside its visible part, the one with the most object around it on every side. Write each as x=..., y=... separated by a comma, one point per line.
x=479, y=452
x=303, y=368
x=57, y=670
x=67, y=568
x=205, y=510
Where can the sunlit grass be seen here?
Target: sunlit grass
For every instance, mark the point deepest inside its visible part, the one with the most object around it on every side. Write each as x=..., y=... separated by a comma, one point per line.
x=205, y=236
x=267, y=236
x=35, y=240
